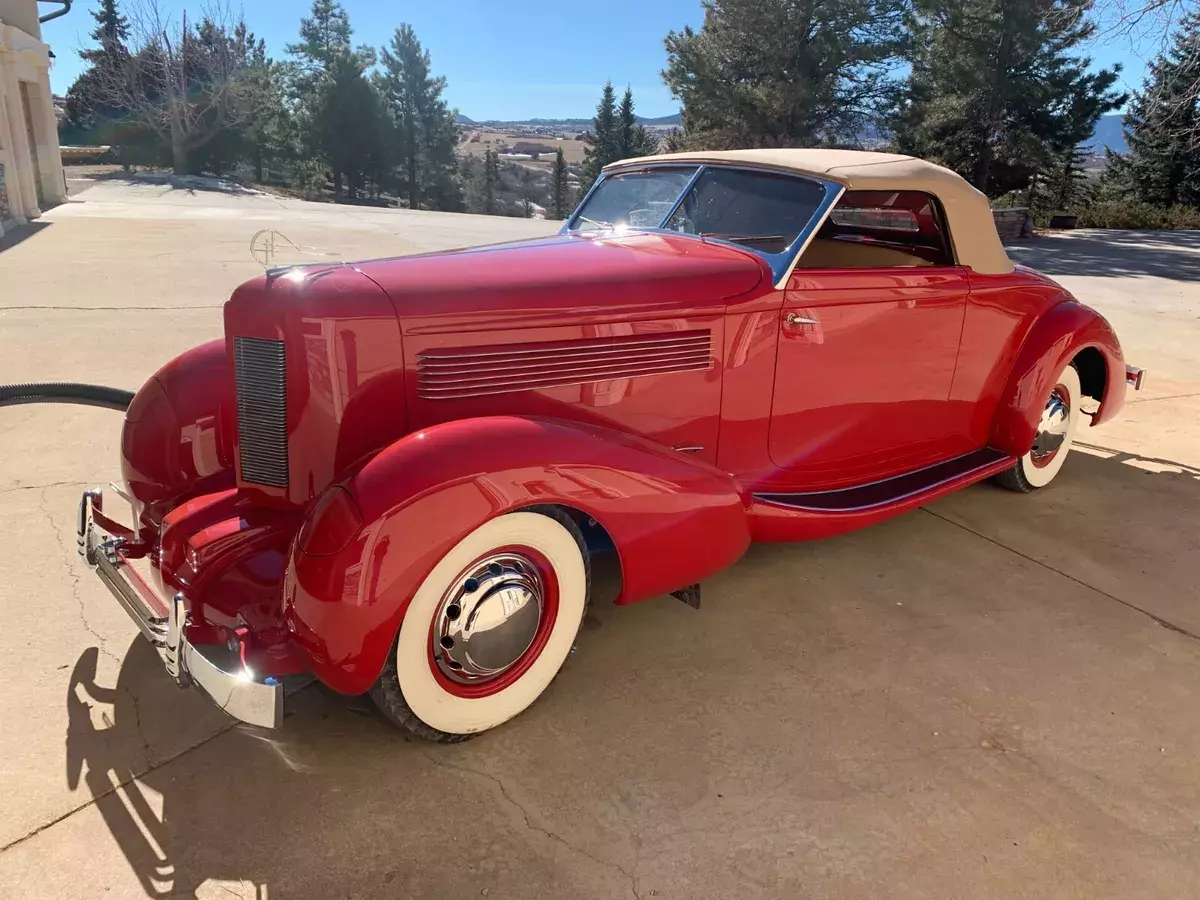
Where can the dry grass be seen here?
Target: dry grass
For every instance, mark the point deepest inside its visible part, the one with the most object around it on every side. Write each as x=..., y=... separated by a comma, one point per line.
x=476, y=143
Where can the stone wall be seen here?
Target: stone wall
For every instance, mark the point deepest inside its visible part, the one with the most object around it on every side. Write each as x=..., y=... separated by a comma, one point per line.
x=1013, y=223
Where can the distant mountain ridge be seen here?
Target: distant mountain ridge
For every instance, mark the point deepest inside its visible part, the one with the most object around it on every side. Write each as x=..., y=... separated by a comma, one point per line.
x=1109, y=133
x=1109, y=130
x=672, y=119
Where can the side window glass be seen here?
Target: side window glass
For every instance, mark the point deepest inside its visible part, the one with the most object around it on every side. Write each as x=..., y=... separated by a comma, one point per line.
x=881, y=229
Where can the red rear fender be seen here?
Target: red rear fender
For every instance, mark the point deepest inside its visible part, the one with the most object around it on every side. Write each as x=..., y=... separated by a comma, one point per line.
x=674, y=521
x=1059, y=335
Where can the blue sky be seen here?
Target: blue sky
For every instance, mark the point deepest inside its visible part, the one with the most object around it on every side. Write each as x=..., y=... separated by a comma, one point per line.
x=508, y=60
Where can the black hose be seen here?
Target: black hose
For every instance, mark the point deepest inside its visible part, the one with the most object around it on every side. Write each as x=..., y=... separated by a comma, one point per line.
x=65, y=392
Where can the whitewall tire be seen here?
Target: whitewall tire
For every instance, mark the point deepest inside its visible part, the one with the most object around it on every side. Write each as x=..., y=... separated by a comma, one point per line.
x=1061, y=415
x=489, y=628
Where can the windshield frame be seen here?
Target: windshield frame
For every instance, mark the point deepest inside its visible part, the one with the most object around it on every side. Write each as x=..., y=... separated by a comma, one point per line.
x=781, y=263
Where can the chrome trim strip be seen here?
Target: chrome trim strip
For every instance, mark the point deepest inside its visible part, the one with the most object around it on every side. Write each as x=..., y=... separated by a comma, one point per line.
x=573, y=375
x=479, y=369
x=775, y=498
x=668, y=340
x=484, y=389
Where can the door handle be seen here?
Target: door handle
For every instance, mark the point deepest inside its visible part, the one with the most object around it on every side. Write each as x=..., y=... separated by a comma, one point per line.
x=793, y=319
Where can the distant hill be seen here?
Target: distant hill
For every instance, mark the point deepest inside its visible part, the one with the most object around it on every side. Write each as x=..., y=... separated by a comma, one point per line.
x=1108, y=134
x=1108, y=129
x=578, y=124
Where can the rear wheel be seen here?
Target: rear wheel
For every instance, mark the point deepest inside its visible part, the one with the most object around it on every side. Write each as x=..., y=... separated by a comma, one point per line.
x=1055, y=434
x=489, y=628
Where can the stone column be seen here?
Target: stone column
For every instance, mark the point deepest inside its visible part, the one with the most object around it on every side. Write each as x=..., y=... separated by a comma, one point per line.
x=45, y=130
x=12, y=202
x=22, y=198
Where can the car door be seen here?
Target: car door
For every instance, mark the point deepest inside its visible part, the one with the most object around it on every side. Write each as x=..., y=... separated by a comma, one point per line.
x=864, y=367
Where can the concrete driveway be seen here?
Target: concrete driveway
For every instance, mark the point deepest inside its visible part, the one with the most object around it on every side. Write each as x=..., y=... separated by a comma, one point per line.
x=994, y=697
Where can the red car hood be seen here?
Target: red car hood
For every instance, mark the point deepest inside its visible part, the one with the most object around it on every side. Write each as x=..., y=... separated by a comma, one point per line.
x=534, y=280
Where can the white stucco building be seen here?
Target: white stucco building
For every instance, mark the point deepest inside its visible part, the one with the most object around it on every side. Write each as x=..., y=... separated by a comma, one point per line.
x=31, y=176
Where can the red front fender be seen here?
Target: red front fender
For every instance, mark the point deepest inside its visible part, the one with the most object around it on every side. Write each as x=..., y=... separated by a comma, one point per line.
x=674, y=521
x=1059, y=335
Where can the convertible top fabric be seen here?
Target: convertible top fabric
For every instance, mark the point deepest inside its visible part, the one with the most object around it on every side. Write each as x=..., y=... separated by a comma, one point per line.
x=968, y=213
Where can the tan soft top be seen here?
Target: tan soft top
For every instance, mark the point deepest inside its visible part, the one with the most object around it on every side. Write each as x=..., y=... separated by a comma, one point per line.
x=968, y=213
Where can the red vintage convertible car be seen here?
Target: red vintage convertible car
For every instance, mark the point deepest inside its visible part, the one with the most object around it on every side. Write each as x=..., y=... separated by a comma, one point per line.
x=392, y=475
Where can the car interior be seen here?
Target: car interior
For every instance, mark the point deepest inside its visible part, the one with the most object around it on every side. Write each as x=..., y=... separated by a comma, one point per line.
x=880, y=229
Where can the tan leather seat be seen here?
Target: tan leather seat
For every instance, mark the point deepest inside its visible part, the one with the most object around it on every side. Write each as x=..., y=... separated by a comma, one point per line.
x=824, y=253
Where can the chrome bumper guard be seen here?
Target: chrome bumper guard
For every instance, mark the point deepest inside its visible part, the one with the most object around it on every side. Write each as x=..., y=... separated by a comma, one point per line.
x=215, y=669
x=1135, y=377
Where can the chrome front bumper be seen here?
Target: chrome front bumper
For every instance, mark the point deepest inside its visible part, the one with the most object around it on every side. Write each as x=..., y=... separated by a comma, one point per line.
x=1135, y=377
x=215, y=669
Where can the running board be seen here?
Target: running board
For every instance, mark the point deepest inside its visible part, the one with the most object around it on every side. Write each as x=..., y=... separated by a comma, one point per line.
x=890, y=491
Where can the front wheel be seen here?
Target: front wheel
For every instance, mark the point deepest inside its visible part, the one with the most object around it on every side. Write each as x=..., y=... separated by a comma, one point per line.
x=1055, y=434
x=489, y=628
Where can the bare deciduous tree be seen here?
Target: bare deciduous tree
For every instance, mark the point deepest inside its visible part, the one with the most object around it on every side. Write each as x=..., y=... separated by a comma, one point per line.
x=1142, y=21
x=1147, y=28
x=184, y=81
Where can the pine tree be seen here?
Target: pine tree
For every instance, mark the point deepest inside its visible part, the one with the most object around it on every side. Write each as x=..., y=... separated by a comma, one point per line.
x=560, y=191
x=997, y=91
x=111, y=32
x=1067, y=184
x=785, y=73
x=89, y=109
x=603, y=141
x=341, y=114
x=324, y=36
x=350, y=126
x=1090, y=97
x=626, y=124
x=632, y=138
x=426, y=127
x=1162, y=127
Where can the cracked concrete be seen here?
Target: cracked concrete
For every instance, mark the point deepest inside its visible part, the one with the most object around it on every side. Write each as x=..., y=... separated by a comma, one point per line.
x=981, y=702
x=73, y=572
x=524, y=813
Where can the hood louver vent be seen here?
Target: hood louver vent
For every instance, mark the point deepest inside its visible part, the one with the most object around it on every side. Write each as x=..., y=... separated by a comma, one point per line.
x=453, y=374
x=261, y=410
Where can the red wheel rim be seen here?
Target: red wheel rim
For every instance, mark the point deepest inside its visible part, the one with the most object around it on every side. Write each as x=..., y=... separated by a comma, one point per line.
x=486, y=687
x=1062, y=394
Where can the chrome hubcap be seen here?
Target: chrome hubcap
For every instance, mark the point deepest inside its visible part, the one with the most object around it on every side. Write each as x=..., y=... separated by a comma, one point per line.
x=488, y=618
x=1053, y=427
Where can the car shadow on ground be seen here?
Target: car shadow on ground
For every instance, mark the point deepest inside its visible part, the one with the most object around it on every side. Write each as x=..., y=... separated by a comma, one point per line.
x=1164, y=254
x=338, y=803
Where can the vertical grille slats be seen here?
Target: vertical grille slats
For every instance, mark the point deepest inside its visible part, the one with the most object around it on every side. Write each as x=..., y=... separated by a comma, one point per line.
x=261, y=410
x=449, y=374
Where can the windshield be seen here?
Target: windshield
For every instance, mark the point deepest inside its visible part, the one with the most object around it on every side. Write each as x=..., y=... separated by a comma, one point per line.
x=633, y=199
x=760, y=210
